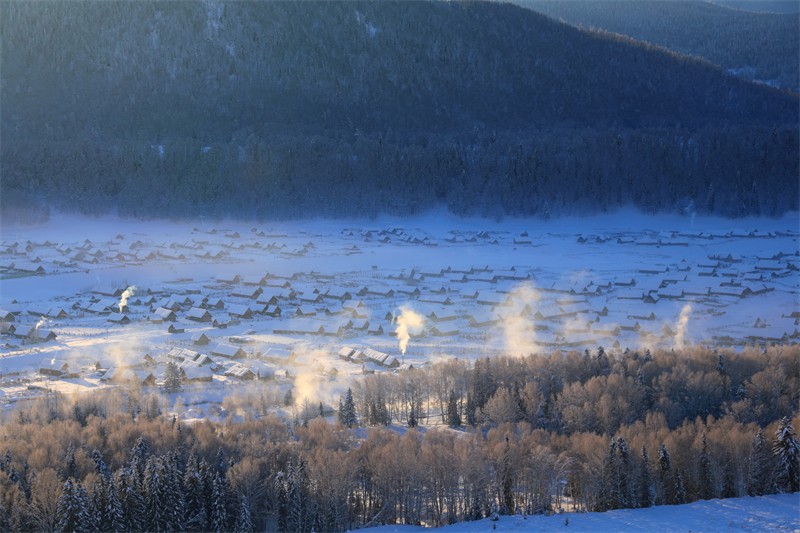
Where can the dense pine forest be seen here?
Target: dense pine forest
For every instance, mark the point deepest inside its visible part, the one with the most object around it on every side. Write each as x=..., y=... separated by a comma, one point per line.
x=531, y=435
x=278, y=110
x=754, y=45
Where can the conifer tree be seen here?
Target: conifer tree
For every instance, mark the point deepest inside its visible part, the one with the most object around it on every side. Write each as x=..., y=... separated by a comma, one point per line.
x=680, y=490
x=71, y=470
x=624, y=495
x=156, y=496
x=195, y=510
x=470, y=411
x=606, y=491
x=288, y=399
x=244, y=522
x=759, y=468
x=70, y=512
x=787, y=452
x=728, y=478
x=131, y=500
x=666, y=484
x=172, y=378
x=349, y=410
x=453, y=418
x=705, y=475
x=282, y=502
x=412, y=418
x=219, y=514
x=644, y=482
x=113, y=517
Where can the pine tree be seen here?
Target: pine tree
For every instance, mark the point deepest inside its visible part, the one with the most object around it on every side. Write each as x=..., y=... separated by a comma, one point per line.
x=176, y=497
x=219, y=461
x=606, y=491
x=470, y=411
x=156, y=496
x=70, y=510
x=288, y=399
x=728, y=478
x=412, y=418
x=71, y=471
x=453, y=418
x=705, y=475
x=644, y=482
x=172, y=378
x=282, y=502
x=759, y=468
x=113, y=517
x=131, y=500
x=195, y=510
x=321, y=411
x=680, y=491
x=132, y=407
x=219, y=514
x=624, y=495
x=77, y=415
x=787, y=452
x=97, y=505
x=349, y=410
x=666, y=484
x=244, y=522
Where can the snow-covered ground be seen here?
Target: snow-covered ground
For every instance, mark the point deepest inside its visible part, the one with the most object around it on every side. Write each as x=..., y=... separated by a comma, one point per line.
x=768, y=514
x=517, y=286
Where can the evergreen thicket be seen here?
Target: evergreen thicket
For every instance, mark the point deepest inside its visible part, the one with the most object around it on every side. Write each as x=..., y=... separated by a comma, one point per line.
x=279, y=110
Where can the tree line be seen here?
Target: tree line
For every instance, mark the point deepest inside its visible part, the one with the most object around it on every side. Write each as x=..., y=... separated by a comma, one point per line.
x=119, y=463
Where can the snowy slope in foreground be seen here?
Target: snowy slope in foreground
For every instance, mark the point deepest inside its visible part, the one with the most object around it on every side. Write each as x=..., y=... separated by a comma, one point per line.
x=770, y=513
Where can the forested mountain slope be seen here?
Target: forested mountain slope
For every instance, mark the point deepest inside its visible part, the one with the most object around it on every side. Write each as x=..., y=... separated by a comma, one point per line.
x=754, y=45
x=283, y=109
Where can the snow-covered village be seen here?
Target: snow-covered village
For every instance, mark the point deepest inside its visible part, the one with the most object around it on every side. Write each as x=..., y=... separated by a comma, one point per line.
x=324, y=266
x=96, y=308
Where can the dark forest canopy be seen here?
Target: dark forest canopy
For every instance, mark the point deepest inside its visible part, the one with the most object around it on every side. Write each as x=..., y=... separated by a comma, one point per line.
x=753, y=45
x=278, y=110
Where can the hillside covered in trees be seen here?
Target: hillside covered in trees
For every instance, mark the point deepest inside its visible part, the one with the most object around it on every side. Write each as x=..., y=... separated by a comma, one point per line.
x=754, y=45
x=593, y=431
x=276, y=110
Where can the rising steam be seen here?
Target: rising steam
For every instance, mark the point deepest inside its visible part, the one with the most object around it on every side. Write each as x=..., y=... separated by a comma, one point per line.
x=125, y=295
x=681, y=324
x=408, y=319
x=42, y=322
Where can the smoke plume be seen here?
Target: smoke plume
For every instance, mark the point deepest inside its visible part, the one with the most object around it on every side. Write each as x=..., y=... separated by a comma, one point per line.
x=681, y=324
x=125, y=295
x=408, y=319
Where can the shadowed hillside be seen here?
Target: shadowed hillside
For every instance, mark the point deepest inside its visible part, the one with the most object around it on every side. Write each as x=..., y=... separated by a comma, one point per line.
x=282, y=110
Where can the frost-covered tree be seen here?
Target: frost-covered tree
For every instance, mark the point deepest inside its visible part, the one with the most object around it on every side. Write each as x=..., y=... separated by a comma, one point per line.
x=759, y=466
x=70, y=510
x=219, y=513
x=644, y=482
x=195, y=516
x=172, y=378
x=787, y=452
x=244, y=522
x=705, y=475
x=666, y=484
x=349, y=410
x=680, y=490
x=453, y=417
x=157, y=512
